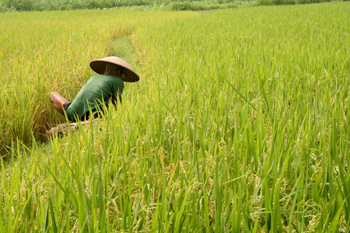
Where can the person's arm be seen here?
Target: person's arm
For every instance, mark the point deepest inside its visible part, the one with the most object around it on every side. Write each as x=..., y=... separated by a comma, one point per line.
x=117, y=93
x=113, y=99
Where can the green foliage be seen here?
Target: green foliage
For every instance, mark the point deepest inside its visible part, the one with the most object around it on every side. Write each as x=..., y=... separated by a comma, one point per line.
x=43, y=58
x=19, y=5
x=289, y=2
x=200, y=6
x=256, y=81
x=238, y=124
x=48, y=5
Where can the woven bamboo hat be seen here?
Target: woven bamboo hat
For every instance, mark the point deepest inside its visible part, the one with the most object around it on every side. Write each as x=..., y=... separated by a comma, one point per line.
x=100, y=64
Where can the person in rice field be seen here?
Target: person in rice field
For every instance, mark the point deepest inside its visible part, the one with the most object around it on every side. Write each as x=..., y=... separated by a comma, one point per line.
x=104, y=88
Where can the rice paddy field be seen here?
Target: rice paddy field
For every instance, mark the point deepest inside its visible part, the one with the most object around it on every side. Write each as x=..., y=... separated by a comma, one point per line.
x=240, y=122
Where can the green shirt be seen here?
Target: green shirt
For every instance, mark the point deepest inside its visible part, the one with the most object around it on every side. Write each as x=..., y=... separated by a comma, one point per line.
x=97, y=90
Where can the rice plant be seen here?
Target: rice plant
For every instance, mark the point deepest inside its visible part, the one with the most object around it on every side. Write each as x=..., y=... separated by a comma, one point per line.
x=239, y=124
x=47, y=51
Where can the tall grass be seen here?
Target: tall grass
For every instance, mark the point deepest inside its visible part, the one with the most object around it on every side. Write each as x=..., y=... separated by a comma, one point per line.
x=42, y=52
x=263, y=93
x=239, y=124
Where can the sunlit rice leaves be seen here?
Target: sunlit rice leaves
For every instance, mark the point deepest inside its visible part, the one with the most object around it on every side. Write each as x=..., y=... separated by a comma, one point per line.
x=186, y=152
x=46, y=51
x=291, y=63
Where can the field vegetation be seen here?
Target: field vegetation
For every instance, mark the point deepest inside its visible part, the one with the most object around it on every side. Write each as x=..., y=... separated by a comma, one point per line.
x=194, y=5
x=48, y=5
x=44, y=53
x=240, y=122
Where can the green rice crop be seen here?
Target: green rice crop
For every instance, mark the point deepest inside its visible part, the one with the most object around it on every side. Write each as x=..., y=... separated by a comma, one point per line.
x=240, y=123
x=43, y=52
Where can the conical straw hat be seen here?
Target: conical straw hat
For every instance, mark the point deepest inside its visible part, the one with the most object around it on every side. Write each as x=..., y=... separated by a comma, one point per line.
x=100, y=64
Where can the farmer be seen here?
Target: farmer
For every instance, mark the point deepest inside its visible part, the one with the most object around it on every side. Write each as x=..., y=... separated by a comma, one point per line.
x=100, y=89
